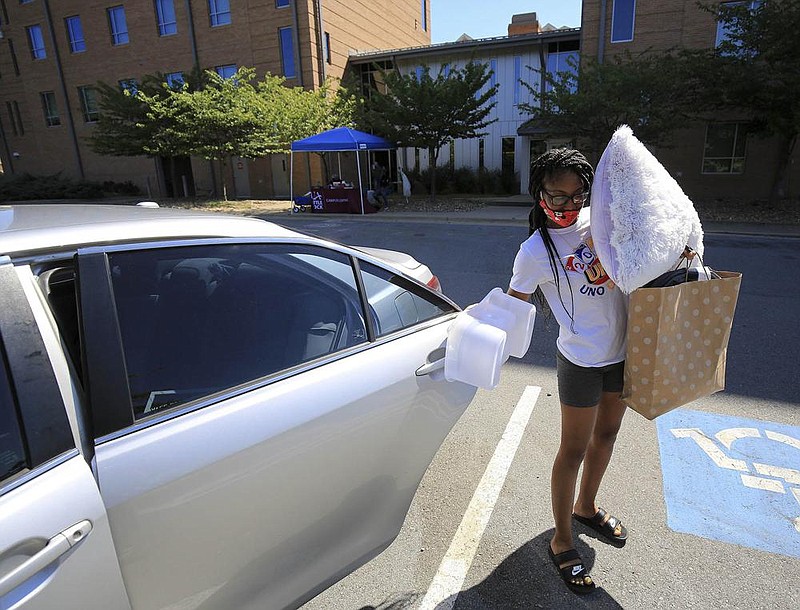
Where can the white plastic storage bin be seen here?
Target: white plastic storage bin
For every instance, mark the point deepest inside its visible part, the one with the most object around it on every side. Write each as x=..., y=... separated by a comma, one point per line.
x=484, y=335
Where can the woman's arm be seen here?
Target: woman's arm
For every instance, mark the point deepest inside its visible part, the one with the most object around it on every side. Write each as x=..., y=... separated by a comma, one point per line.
x=522, y=296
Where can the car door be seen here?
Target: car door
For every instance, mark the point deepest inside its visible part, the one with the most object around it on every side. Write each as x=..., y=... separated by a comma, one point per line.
x=56, y=549
x=264, y=413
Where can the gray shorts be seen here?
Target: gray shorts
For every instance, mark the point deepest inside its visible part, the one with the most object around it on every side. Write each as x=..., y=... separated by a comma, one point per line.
x=582, y=386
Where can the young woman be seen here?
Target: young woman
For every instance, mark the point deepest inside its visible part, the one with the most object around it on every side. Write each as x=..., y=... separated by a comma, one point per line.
x=558, y=265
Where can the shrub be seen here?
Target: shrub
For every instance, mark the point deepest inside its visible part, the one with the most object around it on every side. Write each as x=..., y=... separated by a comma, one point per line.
x=26, y=187
x=464, y=180
x=121, y=188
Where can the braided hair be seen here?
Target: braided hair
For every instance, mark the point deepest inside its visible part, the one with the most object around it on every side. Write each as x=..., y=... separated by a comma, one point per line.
x=548, y=166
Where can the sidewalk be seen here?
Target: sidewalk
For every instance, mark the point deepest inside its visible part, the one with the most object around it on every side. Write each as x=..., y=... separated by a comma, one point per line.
x=517, y=215
x=511, y=210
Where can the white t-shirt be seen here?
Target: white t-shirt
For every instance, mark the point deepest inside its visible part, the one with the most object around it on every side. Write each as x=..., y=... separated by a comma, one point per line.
x=598, y=307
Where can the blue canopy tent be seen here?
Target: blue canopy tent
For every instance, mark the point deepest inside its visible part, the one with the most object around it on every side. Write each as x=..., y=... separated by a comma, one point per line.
x=338, y=140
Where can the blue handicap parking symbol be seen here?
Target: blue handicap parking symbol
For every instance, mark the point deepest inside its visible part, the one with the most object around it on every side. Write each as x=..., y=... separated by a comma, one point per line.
x=732, y=479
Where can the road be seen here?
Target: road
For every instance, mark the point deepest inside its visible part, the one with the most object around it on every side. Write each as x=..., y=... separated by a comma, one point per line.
x=710, y=493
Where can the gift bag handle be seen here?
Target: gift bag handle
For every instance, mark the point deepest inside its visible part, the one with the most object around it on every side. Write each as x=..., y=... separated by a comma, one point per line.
x=687, y=255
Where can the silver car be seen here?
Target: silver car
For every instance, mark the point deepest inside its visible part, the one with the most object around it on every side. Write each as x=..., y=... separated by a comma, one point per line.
x=205, y=411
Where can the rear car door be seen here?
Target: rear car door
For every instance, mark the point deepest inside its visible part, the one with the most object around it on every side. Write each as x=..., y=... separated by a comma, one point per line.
x=264, y=413
x=56, y=549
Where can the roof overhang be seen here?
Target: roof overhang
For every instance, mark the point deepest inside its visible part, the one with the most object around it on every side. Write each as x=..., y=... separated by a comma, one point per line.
x=541, y=127
x=466, y=47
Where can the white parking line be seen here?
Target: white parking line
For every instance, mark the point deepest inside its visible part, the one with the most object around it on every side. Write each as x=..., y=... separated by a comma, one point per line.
x=453, y=570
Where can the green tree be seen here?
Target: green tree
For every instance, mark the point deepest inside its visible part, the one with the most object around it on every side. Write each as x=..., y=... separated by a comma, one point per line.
x=308, y=113
x=756, y=72
x=228, y=117
x=428, y=112
x=311, y=112
x=647, y=91
x=124, y=128
x=213, y=117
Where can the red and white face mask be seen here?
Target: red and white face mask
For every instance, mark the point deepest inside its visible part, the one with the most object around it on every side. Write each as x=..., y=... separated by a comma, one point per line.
x=562, y=219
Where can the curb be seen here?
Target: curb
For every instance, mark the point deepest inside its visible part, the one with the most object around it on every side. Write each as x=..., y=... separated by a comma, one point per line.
x=482, y=217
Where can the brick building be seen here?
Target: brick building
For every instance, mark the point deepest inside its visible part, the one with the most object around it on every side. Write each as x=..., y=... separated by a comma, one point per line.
x=52, y=53
x=710, y=159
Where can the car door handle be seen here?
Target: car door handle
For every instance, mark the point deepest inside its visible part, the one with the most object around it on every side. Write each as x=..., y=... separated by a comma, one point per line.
x=430, y=367
x=55, y=548
x=435, y=363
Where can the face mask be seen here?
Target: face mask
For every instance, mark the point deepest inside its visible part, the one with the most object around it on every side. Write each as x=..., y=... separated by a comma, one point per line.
x=562, y=219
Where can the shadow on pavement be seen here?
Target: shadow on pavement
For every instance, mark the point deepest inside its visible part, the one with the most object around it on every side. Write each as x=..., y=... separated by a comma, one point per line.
x=525, y=579
x=528, y=579
x=400, y=602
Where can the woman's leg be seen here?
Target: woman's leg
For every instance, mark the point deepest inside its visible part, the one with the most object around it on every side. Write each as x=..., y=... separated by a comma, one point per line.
x=577, y=424
x=598, y=453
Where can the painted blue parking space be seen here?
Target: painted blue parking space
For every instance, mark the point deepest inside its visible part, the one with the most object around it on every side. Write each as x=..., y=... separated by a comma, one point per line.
x=732, y=479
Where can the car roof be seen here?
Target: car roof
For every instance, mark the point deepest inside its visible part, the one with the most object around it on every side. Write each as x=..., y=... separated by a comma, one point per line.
x=48, y=227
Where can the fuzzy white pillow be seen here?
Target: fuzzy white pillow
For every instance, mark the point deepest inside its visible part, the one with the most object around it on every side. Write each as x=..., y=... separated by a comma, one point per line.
x=640, y=217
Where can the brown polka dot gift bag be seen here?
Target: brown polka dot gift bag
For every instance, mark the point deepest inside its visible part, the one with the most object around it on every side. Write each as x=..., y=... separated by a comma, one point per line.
x=677, y=341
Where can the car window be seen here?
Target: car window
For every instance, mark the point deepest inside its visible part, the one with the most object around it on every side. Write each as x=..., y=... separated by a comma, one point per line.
x=12, y=452
x=397, y=302
x=198, y=320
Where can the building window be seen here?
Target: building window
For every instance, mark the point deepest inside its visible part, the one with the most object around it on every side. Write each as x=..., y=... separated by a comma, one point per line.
x=20, y=124
x=452, y=160
x=481, y=153
x=416, y=160
x=129, y=85
x=50, y=108
x=36, y=41
x=220, y=12
x=724, y=149
x=165, y=15
x=287, y=52
x=517, y=77
x=372, y=77
x=493, y=79
x=327, y=47
x=13, y=53
x=174, y=79
x=724, y=26
x=622, y=19
x=118, y=25
x=537, y=149
x=508, y=156
x=75, y=34
x=562, y=61
x=11, y=118
x=89, y=107
x=281, y=3
x=226, y=71
x=420, y=71
x=16, y=119
x=424, y=19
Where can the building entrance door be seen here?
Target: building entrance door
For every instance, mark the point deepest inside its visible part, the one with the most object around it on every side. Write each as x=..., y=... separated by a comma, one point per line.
x=280, y=175
x=241, y=178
